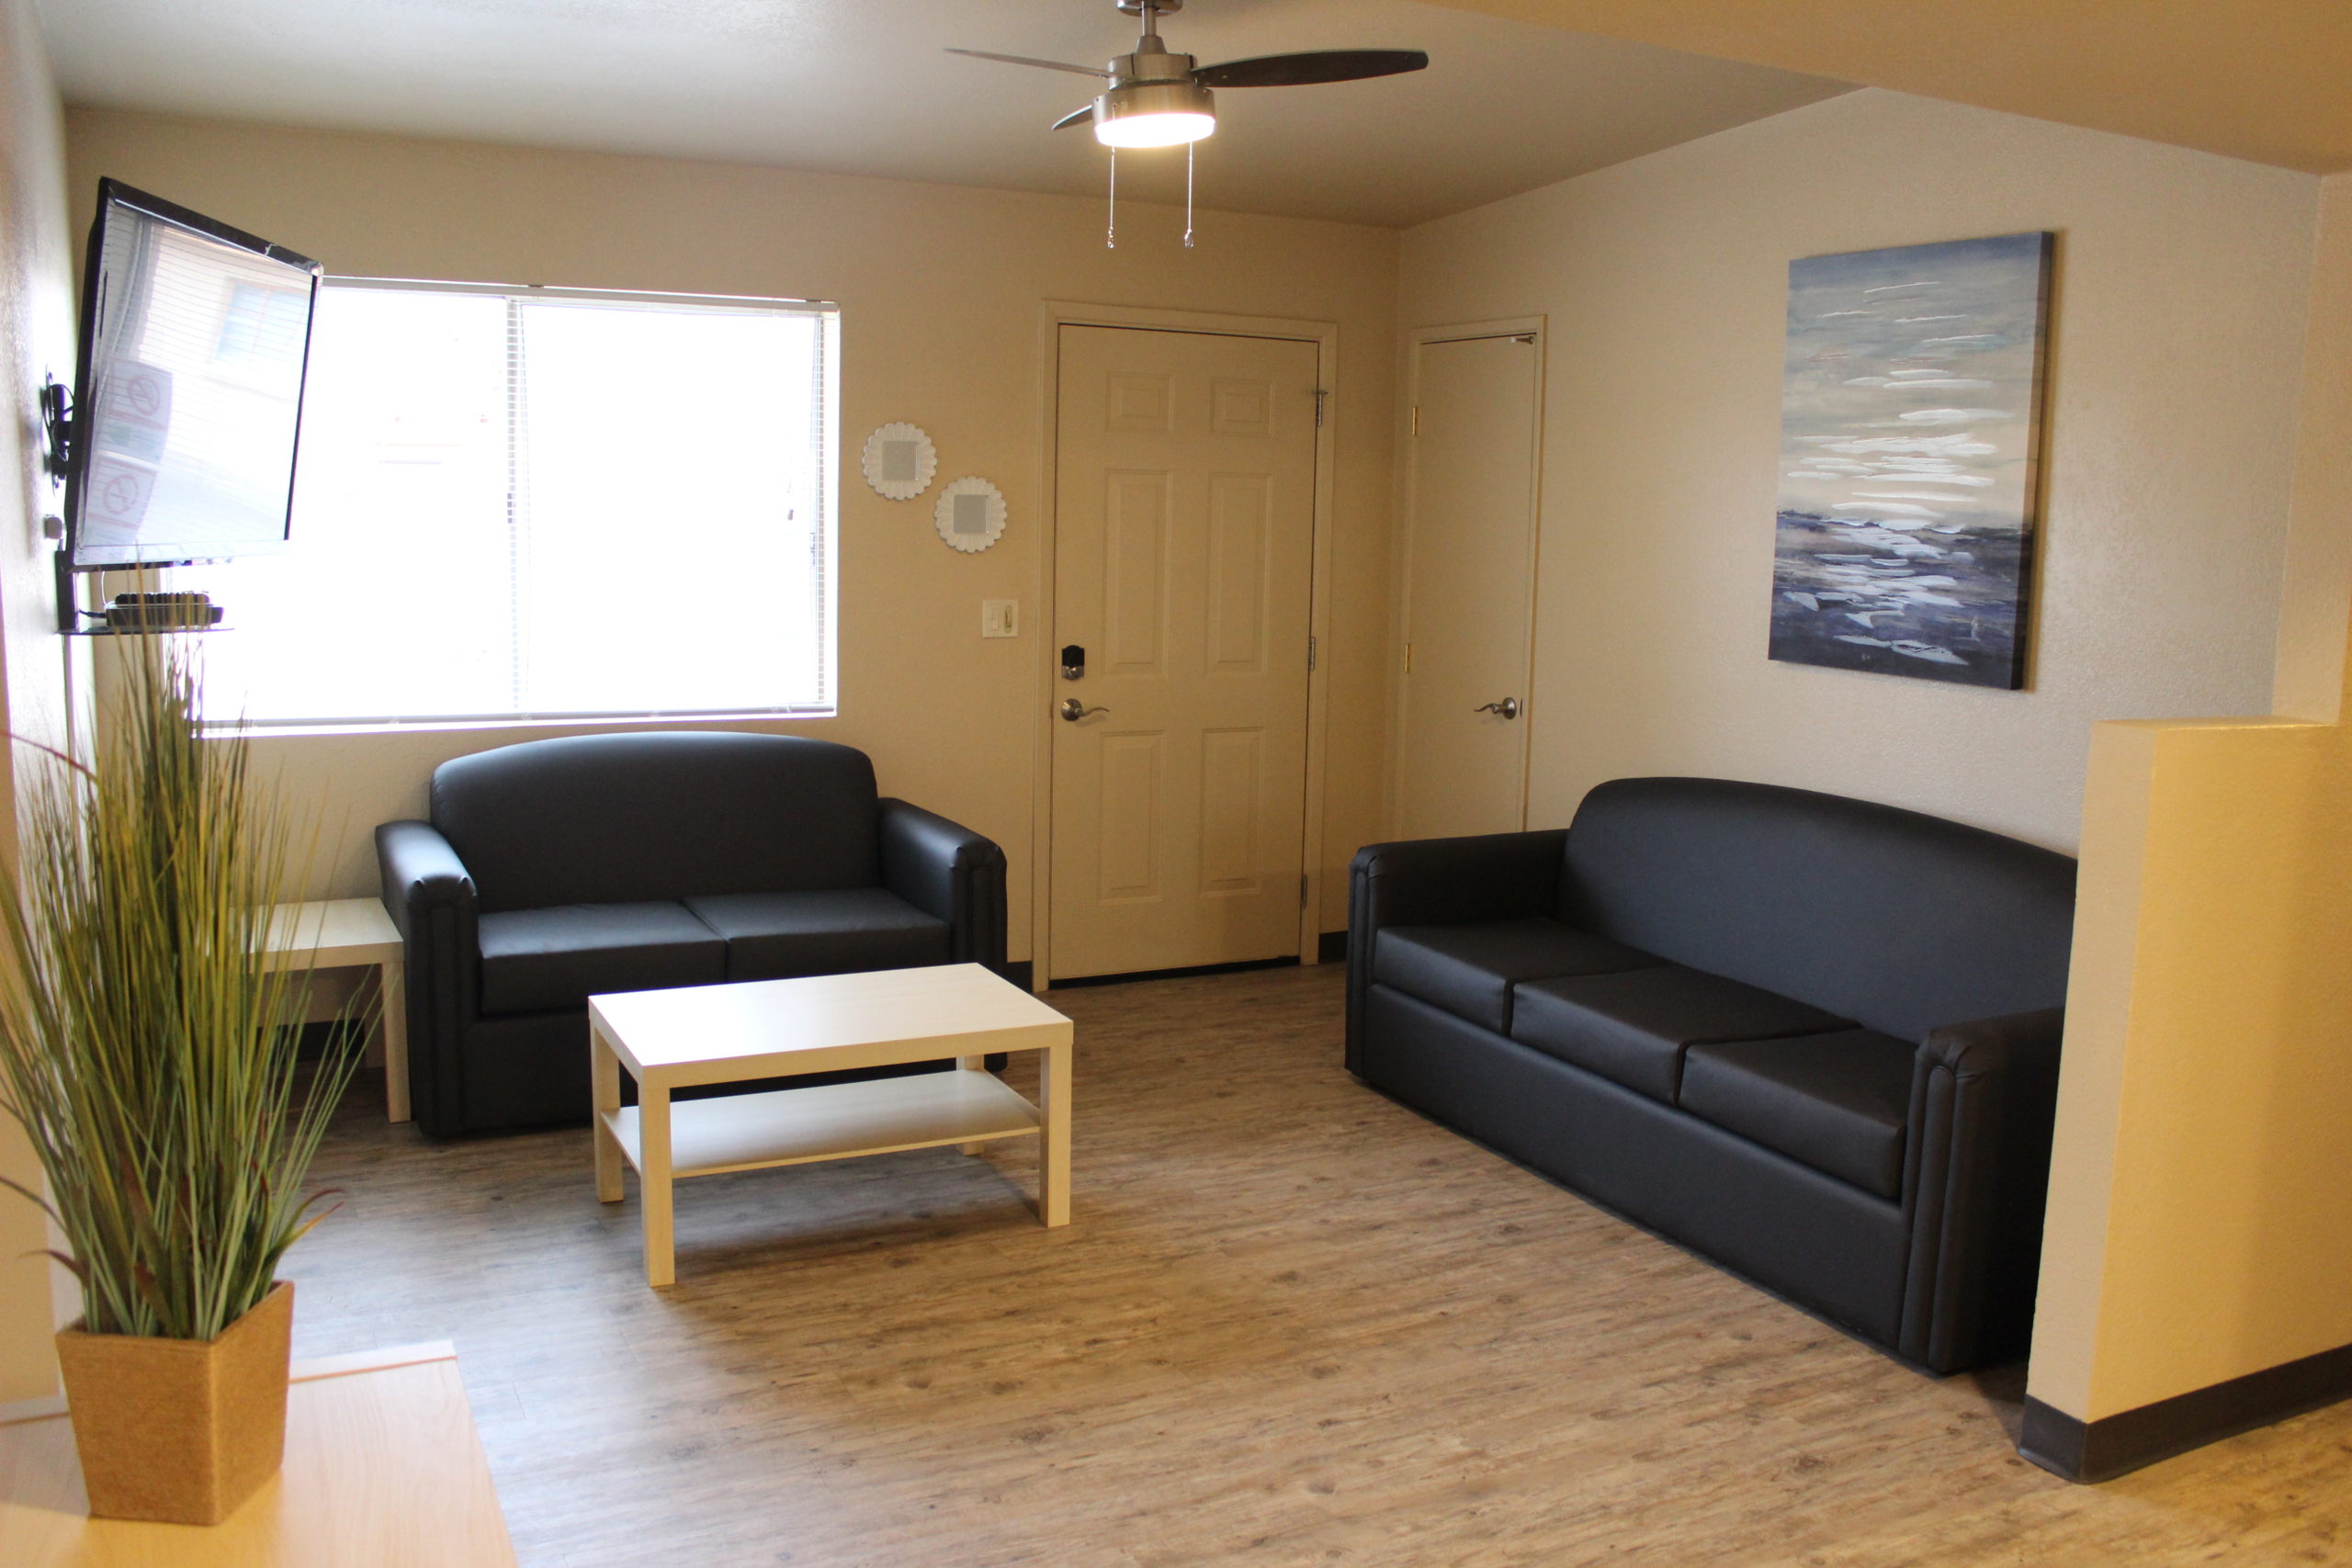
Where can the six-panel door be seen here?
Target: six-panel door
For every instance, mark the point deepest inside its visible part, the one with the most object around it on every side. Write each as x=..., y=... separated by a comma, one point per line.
x=1184, y=517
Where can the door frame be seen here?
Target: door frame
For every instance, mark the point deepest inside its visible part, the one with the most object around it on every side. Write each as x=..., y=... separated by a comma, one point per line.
x=1414, y=340
x=1055, y=315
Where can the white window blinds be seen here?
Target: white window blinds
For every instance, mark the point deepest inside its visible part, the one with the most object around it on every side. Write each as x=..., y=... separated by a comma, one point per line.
x=538, y=504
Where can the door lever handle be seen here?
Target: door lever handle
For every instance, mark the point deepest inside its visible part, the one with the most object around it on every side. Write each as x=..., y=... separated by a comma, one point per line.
x=1508, y=707
x=1072, y=710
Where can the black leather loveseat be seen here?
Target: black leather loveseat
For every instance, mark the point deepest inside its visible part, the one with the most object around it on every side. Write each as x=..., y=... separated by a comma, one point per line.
x=1814, y=1038
x=555, y=870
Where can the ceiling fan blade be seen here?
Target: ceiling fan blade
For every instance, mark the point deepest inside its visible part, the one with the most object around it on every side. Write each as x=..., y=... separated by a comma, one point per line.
x=1024, y=59
x=1076, y=117
x=1320, y=65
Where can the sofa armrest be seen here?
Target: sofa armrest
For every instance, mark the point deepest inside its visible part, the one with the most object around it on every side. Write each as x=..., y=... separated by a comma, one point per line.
x=420, y=872
x=1976, y=1175
x=430, y=897
x=949, y=873
x=1430, y=882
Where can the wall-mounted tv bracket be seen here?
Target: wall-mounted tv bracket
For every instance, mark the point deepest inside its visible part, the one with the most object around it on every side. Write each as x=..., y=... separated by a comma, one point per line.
x=57, y=462
x=56, y=429
x=69, y=613
x=131, y=614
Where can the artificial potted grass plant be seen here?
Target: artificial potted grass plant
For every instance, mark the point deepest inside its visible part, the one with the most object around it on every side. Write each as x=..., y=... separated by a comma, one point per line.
x=140, y=1048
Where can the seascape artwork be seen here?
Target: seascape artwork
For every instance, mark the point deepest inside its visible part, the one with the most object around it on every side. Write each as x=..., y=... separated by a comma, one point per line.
x=1910, y=416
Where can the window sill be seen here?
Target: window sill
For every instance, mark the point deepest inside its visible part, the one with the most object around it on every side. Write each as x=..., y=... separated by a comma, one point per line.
x=589, y=721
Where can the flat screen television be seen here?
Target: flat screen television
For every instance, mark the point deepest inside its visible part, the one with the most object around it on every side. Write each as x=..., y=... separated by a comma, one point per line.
x=188, y=398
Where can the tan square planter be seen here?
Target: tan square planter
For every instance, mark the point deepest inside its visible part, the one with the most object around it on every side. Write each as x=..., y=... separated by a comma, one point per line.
x=180, y=1431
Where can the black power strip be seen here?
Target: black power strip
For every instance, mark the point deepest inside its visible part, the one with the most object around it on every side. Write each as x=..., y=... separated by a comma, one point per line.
x=161, y=612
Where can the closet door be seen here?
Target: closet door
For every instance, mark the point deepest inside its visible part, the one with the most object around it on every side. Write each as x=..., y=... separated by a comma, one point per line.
x=1470, y=585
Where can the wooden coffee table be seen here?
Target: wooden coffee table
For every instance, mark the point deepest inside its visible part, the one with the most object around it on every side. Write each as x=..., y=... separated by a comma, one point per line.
x=764, y=1028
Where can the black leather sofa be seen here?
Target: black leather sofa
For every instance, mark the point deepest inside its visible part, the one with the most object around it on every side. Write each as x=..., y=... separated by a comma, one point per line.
x=1813, y=1038
x=555, y=870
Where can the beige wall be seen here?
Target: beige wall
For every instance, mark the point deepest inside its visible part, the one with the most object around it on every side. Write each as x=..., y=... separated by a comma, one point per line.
x=941, y=290
x=2176, y=358
x=2261, y=81
x=36, y=338
x=2314, y=640
x=2202, y=1175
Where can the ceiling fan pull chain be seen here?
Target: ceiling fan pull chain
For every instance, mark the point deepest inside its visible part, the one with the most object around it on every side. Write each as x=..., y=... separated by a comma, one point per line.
x=1110, y=239
x=1188, y=146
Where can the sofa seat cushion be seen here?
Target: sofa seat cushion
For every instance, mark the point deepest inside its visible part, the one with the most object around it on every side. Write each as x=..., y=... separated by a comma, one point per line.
x=775, y=936
x=543, y=960
x=1836, y=1102
x=1469, y=969
x=1633, y=1026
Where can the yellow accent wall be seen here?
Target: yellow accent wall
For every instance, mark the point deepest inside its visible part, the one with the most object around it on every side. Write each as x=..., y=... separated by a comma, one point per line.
x=941, y=290
x=2200, y=1215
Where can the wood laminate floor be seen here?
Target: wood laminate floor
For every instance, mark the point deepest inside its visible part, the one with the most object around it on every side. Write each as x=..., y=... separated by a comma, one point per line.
x=1290, y=1322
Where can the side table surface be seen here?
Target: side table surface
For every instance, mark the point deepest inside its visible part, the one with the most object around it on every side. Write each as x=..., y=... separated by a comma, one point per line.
x=337, y=933
x=383, y=1468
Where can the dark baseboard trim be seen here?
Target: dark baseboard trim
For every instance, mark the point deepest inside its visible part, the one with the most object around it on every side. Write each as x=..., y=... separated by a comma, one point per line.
x=1331, y=947
x=1191, y=973
x=2117, y=1445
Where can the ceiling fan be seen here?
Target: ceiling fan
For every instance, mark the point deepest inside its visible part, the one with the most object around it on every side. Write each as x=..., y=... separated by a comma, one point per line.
x=1160, y=99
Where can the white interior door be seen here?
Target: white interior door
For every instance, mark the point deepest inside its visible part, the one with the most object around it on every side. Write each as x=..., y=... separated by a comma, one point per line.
x=1470, y=580
x=1184, y=497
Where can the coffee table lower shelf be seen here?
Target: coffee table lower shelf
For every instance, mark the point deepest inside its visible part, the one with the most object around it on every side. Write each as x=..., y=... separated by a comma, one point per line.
x=794, y=1126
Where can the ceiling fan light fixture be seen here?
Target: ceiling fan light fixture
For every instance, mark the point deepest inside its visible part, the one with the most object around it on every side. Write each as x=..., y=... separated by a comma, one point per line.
x=1160, y=99
x=1154, y=114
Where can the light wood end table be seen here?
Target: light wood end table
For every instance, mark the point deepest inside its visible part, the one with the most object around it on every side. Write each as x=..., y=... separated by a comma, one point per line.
x=338, y=933
x=761, y=1029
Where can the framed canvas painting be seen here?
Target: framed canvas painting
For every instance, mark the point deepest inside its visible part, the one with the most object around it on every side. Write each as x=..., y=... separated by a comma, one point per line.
x=1910, y=421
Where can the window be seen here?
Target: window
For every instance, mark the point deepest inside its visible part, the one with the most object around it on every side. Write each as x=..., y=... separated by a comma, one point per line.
x=527, y=504
x=261, y=323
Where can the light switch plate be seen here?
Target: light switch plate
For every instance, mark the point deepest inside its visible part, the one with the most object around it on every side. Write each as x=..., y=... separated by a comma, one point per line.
x=999, y=617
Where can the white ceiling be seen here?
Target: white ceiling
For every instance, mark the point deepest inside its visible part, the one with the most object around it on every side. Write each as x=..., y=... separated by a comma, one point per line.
x=860, y=86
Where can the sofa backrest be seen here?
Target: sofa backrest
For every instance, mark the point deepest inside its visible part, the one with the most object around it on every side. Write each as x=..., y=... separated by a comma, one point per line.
x=629, y=818
x=1903, y=922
